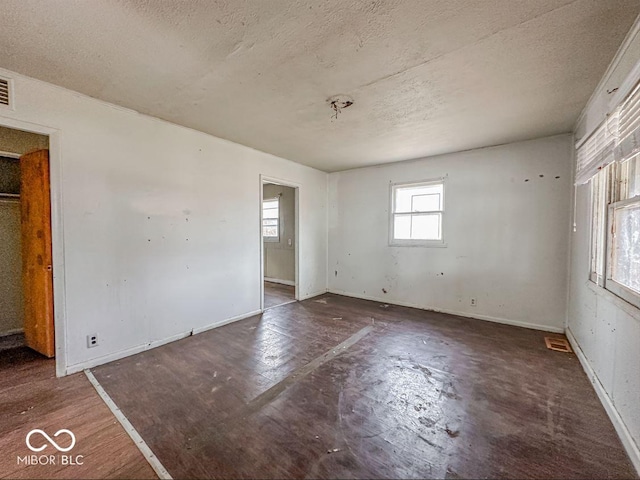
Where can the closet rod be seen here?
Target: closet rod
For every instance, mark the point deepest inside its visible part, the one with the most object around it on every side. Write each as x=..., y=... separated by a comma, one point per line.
x=15, y=196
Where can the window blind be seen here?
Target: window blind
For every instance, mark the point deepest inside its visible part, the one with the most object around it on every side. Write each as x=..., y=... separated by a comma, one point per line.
x=628, y=141
x=597, y=151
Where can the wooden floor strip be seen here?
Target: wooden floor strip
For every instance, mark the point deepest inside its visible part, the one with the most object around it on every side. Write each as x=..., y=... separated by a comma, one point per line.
x=131, y=431
x=268, y=396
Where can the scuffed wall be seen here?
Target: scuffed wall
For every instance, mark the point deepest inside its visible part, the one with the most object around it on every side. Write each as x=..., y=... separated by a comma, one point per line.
x=506, y=226
x=152, y=251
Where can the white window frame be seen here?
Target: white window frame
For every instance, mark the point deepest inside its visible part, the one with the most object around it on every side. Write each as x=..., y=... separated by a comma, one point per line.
x=613, y=190
x=275, y=239
x=610, y=284
x=394, y=242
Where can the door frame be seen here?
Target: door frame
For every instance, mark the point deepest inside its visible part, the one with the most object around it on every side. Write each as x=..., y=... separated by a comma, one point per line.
x=296, y=186
x=57, y=234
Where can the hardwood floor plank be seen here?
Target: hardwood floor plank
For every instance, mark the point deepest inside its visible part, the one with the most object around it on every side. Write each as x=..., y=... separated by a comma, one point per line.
x=277, y=294
x=32, y=397
x=424, y=394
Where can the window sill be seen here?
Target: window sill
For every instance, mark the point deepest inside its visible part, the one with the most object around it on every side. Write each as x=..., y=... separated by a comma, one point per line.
x=418, y=244
x=628, y=308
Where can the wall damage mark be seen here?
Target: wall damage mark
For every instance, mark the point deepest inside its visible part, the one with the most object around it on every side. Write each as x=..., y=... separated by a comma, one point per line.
x=337, y=103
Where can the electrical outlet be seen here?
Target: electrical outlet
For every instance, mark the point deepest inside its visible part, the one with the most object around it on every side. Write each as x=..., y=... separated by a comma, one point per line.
x=474, y=302
x=92, y=340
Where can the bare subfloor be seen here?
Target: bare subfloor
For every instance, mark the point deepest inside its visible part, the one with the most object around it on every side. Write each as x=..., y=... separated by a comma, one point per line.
x=335, y=387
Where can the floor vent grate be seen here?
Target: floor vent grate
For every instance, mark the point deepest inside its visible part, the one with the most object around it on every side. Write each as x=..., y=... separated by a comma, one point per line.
x=558, y=344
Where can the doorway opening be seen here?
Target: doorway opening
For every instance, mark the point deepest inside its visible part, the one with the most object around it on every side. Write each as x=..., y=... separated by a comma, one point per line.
x=279, y=243
x=26, y=263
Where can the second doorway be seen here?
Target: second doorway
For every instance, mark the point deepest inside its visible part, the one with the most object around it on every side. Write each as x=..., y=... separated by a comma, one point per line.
x=279, y=217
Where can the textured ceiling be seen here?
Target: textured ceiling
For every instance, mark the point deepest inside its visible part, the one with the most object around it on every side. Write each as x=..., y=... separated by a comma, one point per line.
x=426, y=76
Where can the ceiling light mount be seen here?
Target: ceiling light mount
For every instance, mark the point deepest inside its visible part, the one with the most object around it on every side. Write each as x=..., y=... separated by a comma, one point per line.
x=337, y=103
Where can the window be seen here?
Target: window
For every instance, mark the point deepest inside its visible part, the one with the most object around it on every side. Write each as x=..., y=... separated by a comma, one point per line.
x=615, y=241
x=271, y=219
x=417, y=211
x=609, y=159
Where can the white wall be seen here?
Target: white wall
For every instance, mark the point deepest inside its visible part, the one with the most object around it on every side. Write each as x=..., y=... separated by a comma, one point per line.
x=507, y=239
x=606, y=330
x=160, y=226
x=280, y=255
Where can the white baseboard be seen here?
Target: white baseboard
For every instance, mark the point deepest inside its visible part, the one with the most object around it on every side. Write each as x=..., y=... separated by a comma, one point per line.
x=506, y=321
x=312, y=294
x=12, y=332
x=623, y=432
x=277, y=280
x=78, y=367
x=226, y=321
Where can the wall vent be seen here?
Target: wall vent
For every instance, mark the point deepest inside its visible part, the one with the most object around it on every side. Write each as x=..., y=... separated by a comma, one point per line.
x=5, y=92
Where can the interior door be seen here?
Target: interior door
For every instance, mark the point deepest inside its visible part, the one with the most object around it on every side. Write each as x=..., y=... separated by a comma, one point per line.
x=37, y=274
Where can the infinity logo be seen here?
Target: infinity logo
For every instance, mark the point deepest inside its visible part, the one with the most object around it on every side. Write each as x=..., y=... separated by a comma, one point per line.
x=50, y=440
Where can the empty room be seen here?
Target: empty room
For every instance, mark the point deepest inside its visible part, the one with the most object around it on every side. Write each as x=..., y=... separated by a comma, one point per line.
x=320, y=239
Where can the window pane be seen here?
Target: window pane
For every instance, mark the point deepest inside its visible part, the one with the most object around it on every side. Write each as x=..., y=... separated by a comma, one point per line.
x=425, y=227
x=406, y=197
x=417, y=227
x=270, y=213
x=269, y=231
x=425, y=203
x=634, y=177
x=402, y=227
x=626, y=247
x=270, y=221
x=270, y=208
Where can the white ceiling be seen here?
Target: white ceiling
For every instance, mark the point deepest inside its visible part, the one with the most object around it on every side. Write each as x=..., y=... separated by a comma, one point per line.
x=426, y=76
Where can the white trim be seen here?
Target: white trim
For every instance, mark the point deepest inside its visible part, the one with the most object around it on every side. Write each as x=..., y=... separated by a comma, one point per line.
x=628, y=39
x=227, y=321
x=130, y=429
x=78, y=367
x=277, y=280
x=623, y=432
x=625, y=88
x=395, y=242
x=505, y=321
x=57, y=233
x=279, y=305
